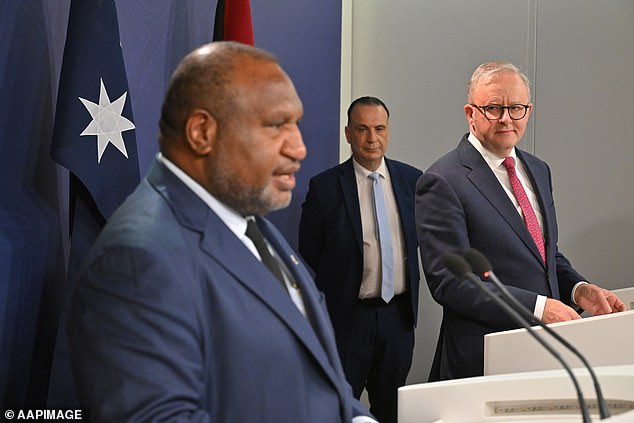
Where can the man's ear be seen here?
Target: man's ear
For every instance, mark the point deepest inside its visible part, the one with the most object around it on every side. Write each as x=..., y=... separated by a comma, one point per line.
x=200, y=131
x=468, y=111
x=530, y=110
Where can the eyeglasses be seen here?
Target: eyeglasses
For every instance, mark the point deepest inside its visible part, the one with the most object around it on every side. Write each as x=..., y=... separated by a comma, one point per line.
x=495, y=112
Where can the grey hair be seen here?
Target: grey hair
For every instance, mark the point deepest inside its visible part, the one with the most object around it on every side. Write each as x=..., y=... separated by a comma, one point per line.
x=486, y=70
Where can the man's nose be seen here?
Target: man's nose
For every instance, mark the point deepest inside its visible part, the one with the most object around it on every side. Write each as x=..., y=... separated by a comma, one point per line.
x=294, y=146
x=506, y=116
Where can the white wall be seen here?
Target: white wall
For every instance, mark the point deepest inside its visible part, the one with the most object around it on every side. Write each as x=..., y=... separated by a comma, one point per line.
x=417, y=55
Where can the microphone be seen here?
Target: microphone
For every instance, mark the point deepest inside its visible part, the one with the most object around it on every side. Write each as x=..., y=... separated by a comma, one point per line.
x=482, y=267
x=461, y=269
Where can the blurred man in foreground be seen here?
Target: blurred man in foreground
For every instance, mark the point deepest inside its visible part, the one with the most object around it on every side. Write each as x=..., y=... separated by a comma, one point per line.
x=191, y=305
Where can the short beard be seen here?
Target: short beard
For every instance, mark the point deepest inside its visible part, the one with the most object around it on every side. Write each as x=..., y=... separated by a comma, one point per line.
x=246, y=200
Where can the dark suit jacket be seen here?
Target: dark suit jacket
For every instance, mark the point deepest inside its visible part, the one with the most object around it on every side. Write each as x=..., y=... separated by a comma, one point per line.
x=461, y=204
x=331, y=238
x=174, y=319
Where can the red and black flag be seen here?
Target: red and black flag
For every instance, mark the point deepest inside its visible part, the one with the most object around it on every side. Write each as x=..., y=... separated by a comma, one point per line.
x=233, y=21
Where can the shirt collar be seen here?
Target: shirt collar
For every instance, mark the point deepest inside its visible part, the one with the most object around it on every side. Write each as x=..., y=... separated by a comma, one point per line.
x=234, y=220
x=362, y=172
x=492, y=160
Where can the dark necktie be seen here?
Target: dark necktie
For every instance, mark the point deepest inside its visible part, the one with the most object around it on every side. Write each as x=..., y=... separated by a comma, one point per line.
x=254, y=233
x=385, y=238
x=527, y=210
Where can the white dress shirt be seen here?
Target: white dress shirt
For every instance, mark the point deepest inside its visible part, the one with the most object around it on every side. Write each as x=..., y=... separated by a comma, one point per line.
x=371, y=280
x=500, y=172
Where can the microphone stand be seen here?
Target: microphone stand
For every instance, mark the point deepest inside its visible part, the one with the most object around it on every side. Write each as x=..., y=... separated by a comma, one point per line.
x=460, y=268
x=482, y=267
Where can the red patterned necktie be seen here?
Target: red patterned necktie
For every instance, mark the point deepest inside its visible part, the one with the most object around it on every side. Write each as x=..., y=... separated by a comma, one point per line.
x=527, y=210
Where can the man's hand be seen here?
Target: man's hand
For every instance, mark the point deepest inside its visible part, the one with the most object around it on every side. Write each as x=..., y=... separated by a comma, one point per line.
x=597, y=300
x=556, y=311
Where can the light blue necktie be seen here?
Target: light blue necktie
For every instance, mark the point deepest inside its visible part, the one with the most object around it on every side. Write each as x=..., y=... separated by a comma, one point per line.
x=384, y=237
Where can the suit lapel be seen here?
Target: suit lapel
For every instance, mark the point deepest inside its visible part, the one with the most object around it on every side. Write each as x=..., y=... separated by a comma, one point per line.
x=222, y=245
x=400, y=194
x=351, y=197
x=228, y=251
x=485, y=181
x=312, y=298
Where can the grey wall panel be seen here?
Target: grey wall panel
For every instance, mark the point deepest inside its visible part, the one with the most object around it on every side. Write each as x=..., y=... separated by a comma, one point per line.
x=584, y=124
x=418, y=57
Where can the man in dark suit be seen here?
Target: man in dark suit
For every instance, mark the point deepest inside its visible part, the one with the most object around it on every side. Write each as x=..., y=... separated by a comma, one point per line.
x=339, y=239
x=489, y=195
x=191, y=306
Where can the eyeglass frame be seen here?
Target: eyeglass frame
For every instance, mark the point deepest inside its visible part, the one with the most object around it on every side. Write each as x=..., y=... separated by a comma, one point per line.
x=482, y=110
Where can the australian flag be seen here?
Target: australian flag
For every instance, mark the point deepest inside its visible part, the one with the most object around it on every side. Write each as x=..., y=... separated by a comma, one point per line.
x=94, y=138
x=94, y=135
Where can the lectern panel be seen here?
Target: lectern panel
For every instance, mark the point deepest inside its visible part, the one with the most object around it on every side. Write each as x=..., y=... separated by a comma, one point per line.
x=604, y=341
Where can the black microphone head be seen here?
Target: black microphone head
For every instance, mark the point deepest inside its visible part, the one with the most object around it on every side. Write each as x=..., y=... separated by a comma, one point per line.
x=456, y=264
x=478, y=262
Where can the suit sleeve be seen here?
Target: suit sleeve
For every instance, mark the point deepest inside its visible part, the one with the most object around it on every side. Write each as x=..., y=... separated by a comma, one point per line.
x=442, y=227
x=311, y=234
x=135, y=344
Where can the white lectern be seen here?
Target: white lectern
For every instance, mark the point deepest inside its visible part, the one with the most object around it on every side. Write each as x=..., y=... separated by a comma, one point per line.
x=545, y=396
x=604, y=340
x=627, y=295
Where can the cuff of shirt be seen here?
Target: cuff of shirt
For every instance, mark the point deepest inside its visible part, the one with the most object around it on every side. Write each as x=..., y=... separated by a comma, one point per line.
x=574, y=289
x=363, y=419
x=540, y=304
x=541, y=301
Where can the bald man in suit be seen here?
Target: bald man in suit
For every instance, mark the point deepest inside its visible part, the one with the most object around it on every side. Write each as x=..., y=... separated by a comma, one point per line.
x=191, y=305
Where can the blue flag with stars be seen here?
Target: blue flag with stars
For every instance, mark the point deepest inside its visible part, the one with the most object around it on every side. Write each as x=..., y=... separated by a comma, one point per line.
x=94, y=138
x=94, y=135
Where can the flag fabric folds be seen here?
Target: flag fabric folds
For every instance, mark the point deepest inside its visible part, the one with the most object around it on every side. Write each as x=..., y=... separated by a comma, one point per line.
x=93, y=135
x=233, y=21
x=94, y=138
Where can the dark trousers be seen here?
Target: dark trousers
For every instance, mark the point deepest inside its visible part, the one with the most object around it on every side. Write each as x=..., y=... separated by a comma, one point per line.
x=376, y=345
